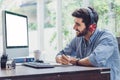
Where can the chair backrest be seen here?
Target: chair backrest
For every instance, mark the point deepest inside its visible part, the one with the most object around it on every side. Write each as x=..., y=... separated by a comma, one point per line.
x=118, y=39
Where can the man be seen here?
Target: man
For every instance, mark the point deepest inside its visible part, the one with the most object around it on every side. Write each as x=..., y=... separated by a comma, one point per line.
x=91, y=46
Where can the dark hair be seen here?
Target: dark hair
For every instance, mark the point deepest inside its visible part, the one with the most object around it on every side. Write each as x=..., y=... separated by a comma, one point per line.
x=84, y=13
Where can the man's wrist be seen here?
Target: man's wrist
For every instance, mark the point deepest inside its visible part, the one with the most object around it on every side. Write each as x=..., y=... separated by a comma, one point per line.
x=77, y=62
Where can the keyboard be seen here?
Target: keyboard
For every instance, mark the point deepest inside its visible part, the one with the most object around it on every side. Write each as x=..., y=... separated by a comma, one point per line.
x=38, y=65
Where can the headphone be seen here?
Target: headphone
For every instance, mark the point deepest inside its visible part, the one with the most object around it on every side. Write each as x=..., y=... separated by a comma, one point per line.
x=92, y=25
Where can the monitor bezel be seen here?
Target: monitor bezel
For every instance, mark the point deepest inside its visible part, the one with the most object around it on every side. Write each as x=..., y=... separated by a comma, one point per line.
x=16, y=14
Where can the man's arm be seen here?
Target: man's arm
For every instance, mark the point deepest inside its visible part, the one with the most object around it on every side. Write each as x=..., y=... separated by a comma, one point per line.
x=81, y=62
x=84, y=62
x=71, y=60
x=66, y=51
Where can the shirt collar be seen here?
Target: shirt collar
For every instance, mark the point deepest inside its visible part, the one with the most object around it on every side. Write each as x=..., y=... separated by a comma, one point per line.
x=93, y=35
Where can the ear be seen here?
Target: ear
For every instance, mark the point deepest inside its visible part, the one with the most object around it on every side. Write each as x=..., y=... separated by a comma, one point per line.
x=92, y=27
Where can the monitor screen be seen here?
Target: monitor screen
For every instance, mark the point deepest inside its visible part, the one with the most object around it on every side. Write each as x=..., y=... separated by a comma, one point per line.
x=15, y=34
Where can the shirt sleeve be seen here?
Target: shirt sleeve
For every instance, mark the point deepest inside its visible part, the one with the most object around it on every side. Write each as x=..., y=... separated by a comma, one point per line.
x=103, y=51
x=69, y=49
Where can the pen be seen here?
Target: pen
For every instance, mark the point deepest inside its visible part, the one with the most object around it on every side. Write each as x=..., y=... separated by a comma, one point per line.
x=66, y=57
x=63, y=52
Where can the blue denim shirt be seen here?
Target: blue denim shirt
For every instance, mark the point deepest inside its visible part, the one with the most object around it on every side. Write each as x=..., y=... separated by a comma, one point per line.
x=101, y=49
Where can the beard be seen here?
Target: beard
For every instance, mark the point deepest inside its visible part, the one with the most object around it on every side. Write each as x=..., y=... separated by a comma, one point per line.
x=81, y=33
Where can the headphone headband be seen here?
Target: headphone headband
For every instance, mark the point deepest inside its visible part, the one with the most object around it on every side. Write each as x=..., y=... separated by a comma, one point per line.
x=91, y=15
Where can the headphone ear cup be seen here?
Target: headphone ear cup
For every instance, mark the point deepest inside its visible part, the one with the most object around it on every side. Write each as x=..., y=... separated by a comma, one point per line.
x=92, y=27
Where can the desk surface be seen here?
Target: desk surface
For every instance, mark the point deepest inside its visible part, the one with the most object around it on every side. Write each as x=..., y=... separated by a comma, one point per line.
x=23, y=71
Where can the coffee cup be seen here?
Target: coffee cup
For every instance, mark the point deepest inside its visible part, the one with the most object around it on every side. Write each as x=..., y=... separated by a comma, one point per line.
x=37, y=54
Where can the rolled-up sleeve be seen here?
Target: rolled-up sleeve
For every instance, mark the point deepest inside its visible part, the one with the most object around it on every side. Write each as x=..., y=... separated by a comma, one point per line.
x=103, y=51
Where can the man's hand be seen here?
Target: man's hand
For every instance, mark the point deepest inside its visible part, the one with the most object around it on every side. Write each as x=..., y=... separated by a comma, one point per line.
x=73, y=60
x=63, y=59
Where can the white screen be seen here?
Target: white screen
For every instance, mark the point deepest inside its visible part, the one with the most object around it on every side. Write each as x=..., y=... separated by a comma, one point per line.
x=16, y=30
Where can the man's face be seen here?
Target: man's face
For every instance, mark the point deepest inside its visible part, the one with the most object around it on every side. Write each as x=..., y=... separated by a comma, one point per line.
x=80, y=27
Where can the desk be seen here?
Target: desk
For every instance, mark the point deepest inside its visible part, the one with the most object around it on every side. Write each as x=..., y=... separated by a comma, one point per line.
x=57, y=73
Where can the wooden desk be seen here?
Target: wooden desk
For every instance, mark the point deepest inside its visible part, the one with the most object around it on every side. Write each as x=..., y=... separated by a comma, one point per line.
x=57, y=73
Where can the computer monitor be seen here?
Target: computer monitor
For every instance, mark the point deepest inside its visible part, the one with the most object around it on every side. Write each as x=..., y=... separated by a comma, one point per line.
x=15, y=34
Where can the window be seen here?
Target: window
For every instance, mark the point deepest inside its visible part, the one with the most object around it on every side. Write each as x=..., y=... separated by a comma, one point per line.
x=60, y=15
